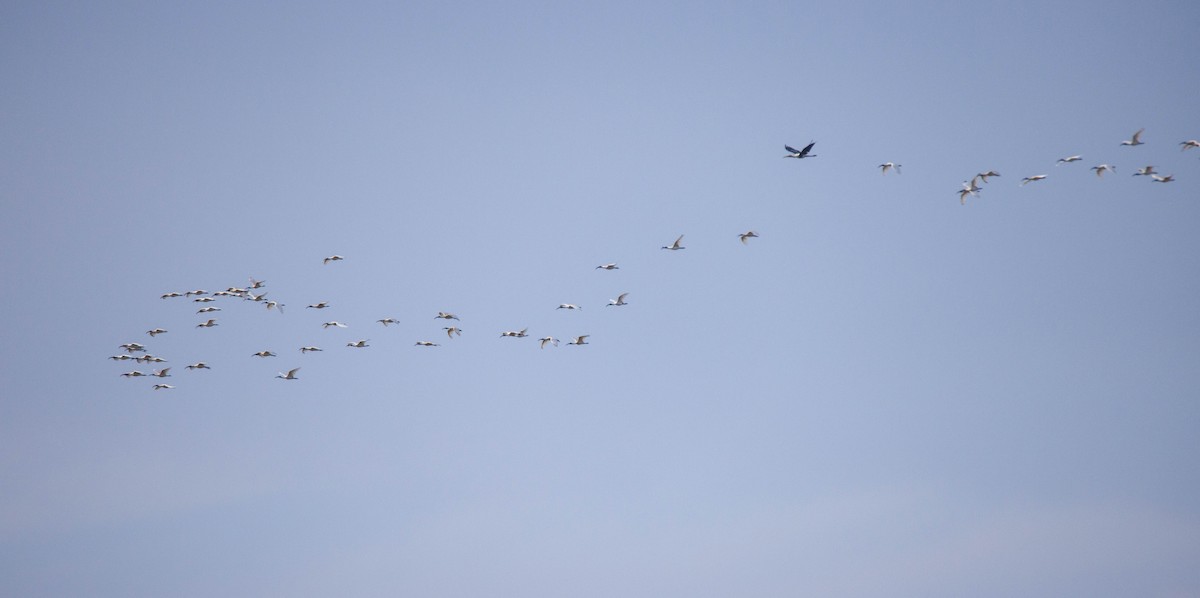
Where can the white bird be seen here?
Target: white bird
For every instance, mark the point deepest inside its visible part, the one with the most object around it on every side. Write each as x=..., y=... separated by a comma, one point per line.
x=548, y=339
x=155, y=332
x=452, y=330
x=426, y=344
x=133, y=374
x=275, y=304
x=387, y=321
x=1136, y=139
x=207, y=323
x=333, y=258
x=256, y=298
x=337, y=324
x=162, y=373
x=199, y=365
x=568, y=306
x=1030, y=179
x=964, y=192
x=516, y=334
x=207, y=310
x=445, y=316
x=803, y=153
x=122, y=357
x=196, y=292
x=1145, y=171
x=883, y=168
x=310, y=349
x=620, y=300
x=256, y=284
x=203, y=299
x=1162, y=179
x=984, y=176
x=579, y=340
x=747, y=235
x=1101, y=169
x=264, y=354
x=1189, y=144
x=321, y=305
x=163, y=387
x=171, y=294
x=133, y=347
x=358, y=344
x=149, y=359
x=608, y=267
x=290, y=375
x=1068, y=160
x=675, y=246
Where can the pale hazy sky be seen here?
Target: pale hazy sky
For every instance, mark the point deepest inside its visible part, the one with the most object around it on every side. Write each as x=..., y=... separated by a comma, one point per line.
x=885, y=394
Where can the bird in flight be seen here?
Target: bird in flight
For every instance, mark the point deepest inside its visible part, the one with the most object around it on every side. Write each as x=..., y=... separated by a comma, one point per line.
x=620, y=300
x=207, y=324
x=1135, y=140
x=516, y=333
x=608, y=267
x=1068, y=160
x=748, y=235
x=337, y=324
x=163, y=387
x=387, y=321
x=358, y=344
x=199, y=365
x=426, y=344
x=579, y=340
x=1030, y=179
x=290, y=375
x=321, y=305
x=310, y=349
x=1162, y=179
x=548, y=339
x=1189, y=144
x=452, y=330
x=333, y=258
x=1145, y=171
x=155, y=331
x=795, y=153
x=1101, y=169
x=675, y=246
x=568, y=306
x=445, y=316
x=889, y=166
x=264, y=354
x=984, y=176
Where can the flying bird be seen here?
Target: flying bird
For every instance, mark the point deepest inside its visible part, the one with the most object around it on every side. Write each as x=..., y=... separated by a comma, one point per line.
x=155, y=332
x=162, y=373
x=1068, y=160
x=337, y=324
x=515, y=333
x=290, y=375
x=747, y=235
x=133, y=374
x=426, y=344
x=568, y=306
x=199, y=365
x=452, y=330
x=359, y=344
x=171, y=294
x=387, y=321
x=795, y=153
x=579, y=340
x=1189, y=144
x=675, y=246
x=207, y=310
x=264, y=354
x=333, y=258
x=620, y=300
x=207, y=324
x=321, y=305
x=608, y=267
x=1135, y=140
x=163, y=387
x=883, y=168
x=1145, y=171
x=984, y=176
x=445, y=316
x=548, y=339
x=310, y=349
x=1162, y=179
x=274, y=305
x=1101, y=169
x=1030, y=179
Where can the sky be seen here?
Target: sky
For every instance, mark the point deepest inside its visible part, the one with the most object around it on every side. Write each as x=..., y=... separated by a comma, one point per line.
x=887, y=392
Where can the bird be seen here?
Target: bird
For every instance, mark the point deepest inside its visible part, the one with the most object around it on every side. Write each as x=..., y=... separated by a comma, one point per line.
x=1068, y=160
x=1189, y=144
x=548, y=339
x=984, y=176
x=321, y=305
x=675, y=246
x=207, y=324
x=620, y=300
x=1136, y=139
x=155, y=332
x=608, y=267
x=203, y=299
x=795, y=153
x=196, y=292
x=275, y=305
x=207, y=310
x=333, y=258
x=162, y=373
x=133, y=347
x=171, y=294
x=883, y=168
x=1162, y=179
x=1145, y=171
x=579, y=340
x=426, y=344
x=747, y=235
x=133, y=374
x=256, y=298
x=264, y=354
x=290, y=375
x=516, y=334
x=199, y=365
x=147, y=358
x=452, y=330
x=310, y=349
x=964, y=192
x=1101, y=169
x=358, y=344
x=256, y=284
x=163, y=387
x=568, y=306
x=337, y=324
x=121, y=357
x=1030, y=179
x=387, y=321
x=445, y=316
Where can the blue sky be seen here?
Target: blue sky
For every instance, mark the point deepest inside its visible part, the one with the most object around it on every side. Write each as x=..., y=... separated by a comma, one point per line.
x=886, y=393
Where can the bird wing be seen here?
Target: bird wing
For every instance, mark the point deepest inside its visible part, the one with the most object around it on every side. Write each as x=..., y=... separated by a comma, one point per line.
x=791, y=149
x=1137, y=136
x=807, y=148
x=677, y=241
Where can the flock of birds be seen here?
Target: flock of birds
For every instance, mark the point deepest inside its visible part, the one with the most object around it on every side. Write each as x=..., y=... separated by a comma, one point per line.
x=139, y=354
